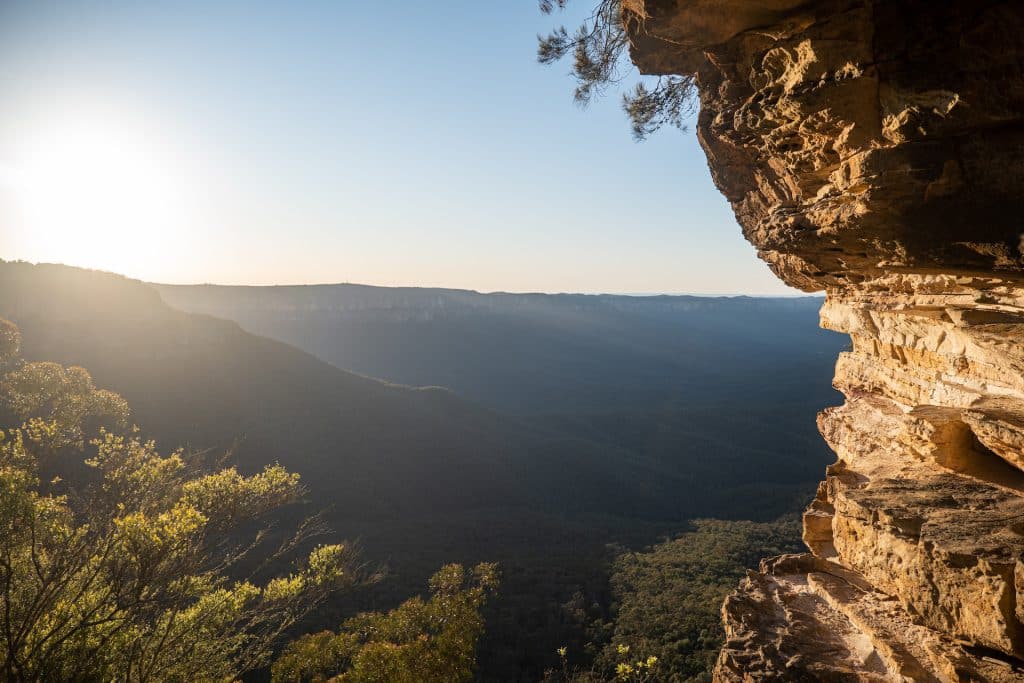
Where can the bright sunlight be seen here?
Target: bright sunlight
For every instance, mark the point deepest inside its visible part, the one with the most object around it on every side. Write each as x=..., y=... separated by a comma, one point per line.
x=99, y=191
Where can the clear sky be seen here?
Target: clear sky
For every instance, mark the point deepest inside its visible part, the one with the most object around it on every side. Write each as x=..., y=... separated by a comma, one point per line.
x=390, y=143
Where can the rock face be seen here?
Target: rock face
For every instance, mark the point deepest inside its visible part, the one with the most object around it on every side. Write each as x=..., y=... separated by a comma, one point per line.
x=875, y=150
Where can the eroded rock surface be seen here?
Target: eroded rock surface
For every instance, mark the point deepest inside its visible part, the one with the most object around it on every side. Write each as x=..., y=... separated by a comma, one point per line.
x=875, y=150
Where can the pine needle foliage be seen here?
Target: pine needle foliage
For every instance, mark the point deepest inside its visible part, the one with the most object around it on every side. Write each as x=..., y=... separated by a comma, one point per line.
x=599, y=49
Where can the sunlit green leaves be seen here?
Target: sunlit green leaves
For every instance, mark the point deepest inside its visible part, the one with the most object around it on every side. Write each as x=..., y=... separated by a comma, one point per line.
x=124, y=577
x=421, y=641
x=62, y=397
x=227, y=497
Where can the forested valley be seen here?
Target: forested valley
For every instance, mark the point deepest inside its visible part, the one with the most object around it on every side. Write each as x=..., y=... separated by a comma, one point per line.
x=578, y=479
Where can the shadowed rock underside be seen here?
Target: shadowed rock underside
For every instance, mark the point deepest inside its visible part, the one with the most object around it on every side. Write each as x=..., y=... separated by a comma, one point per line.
x=875, y=150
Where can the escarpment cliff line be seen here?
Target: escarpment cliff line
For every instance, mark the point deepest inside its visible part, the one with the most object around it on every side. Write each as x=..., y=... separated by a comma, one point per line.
x=875, y=150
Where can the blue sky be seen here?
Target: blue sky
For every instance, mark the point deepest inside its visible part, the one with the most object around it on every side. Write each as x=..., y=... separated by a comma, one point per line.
x=399, y=143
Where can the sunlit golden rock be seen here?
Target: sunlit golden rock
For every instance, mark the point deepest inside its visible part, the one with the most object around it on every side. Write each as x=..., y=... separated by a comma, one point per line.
x=875, y=150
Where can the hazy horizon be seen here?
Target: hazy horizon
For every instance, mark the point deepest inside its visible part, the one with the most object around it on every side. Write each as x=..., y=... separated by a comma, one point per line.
x=246, y=143
x=788, y=293
x=792, y=293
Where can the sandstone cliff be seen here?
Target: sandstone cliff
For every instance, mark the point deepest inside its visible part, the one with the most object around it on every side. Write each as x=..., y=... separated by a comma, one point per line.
x=875, y=150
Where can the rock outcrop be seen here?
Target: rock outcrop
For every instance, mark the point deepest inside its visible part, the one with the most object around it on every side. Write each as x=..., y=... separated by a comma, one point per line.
x=875, y=150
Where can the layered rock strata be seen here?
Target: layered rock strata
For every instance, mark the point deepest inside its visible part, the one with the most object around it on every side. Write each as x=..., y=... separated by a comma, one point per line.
x=875, y=150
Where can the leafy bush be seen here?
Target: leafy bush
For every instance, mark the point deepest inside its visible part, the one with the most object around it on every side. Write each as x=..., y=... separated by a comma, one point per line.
x=122, y=571
x=420, y=641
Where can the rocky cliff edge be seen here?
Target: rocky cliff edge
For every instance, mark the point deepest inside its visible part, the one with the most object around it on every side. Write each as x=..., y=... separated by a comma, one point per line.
x=875, y=150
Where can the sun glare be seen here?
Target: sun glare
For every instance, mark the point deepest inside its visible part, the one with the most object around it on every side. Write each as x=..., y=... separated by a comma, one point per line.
x=99, y=192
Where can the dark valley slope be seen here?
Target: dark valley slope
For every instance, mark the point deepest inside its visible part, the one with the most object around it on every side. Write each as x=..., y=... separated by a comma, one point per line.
x=709, y=392
x=364, y=446
x=540, y=353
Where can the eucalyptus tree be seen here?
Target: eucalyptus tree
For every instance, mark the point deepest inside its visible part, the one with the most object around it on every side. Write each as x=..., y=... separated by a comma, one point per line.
x=128, y=566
